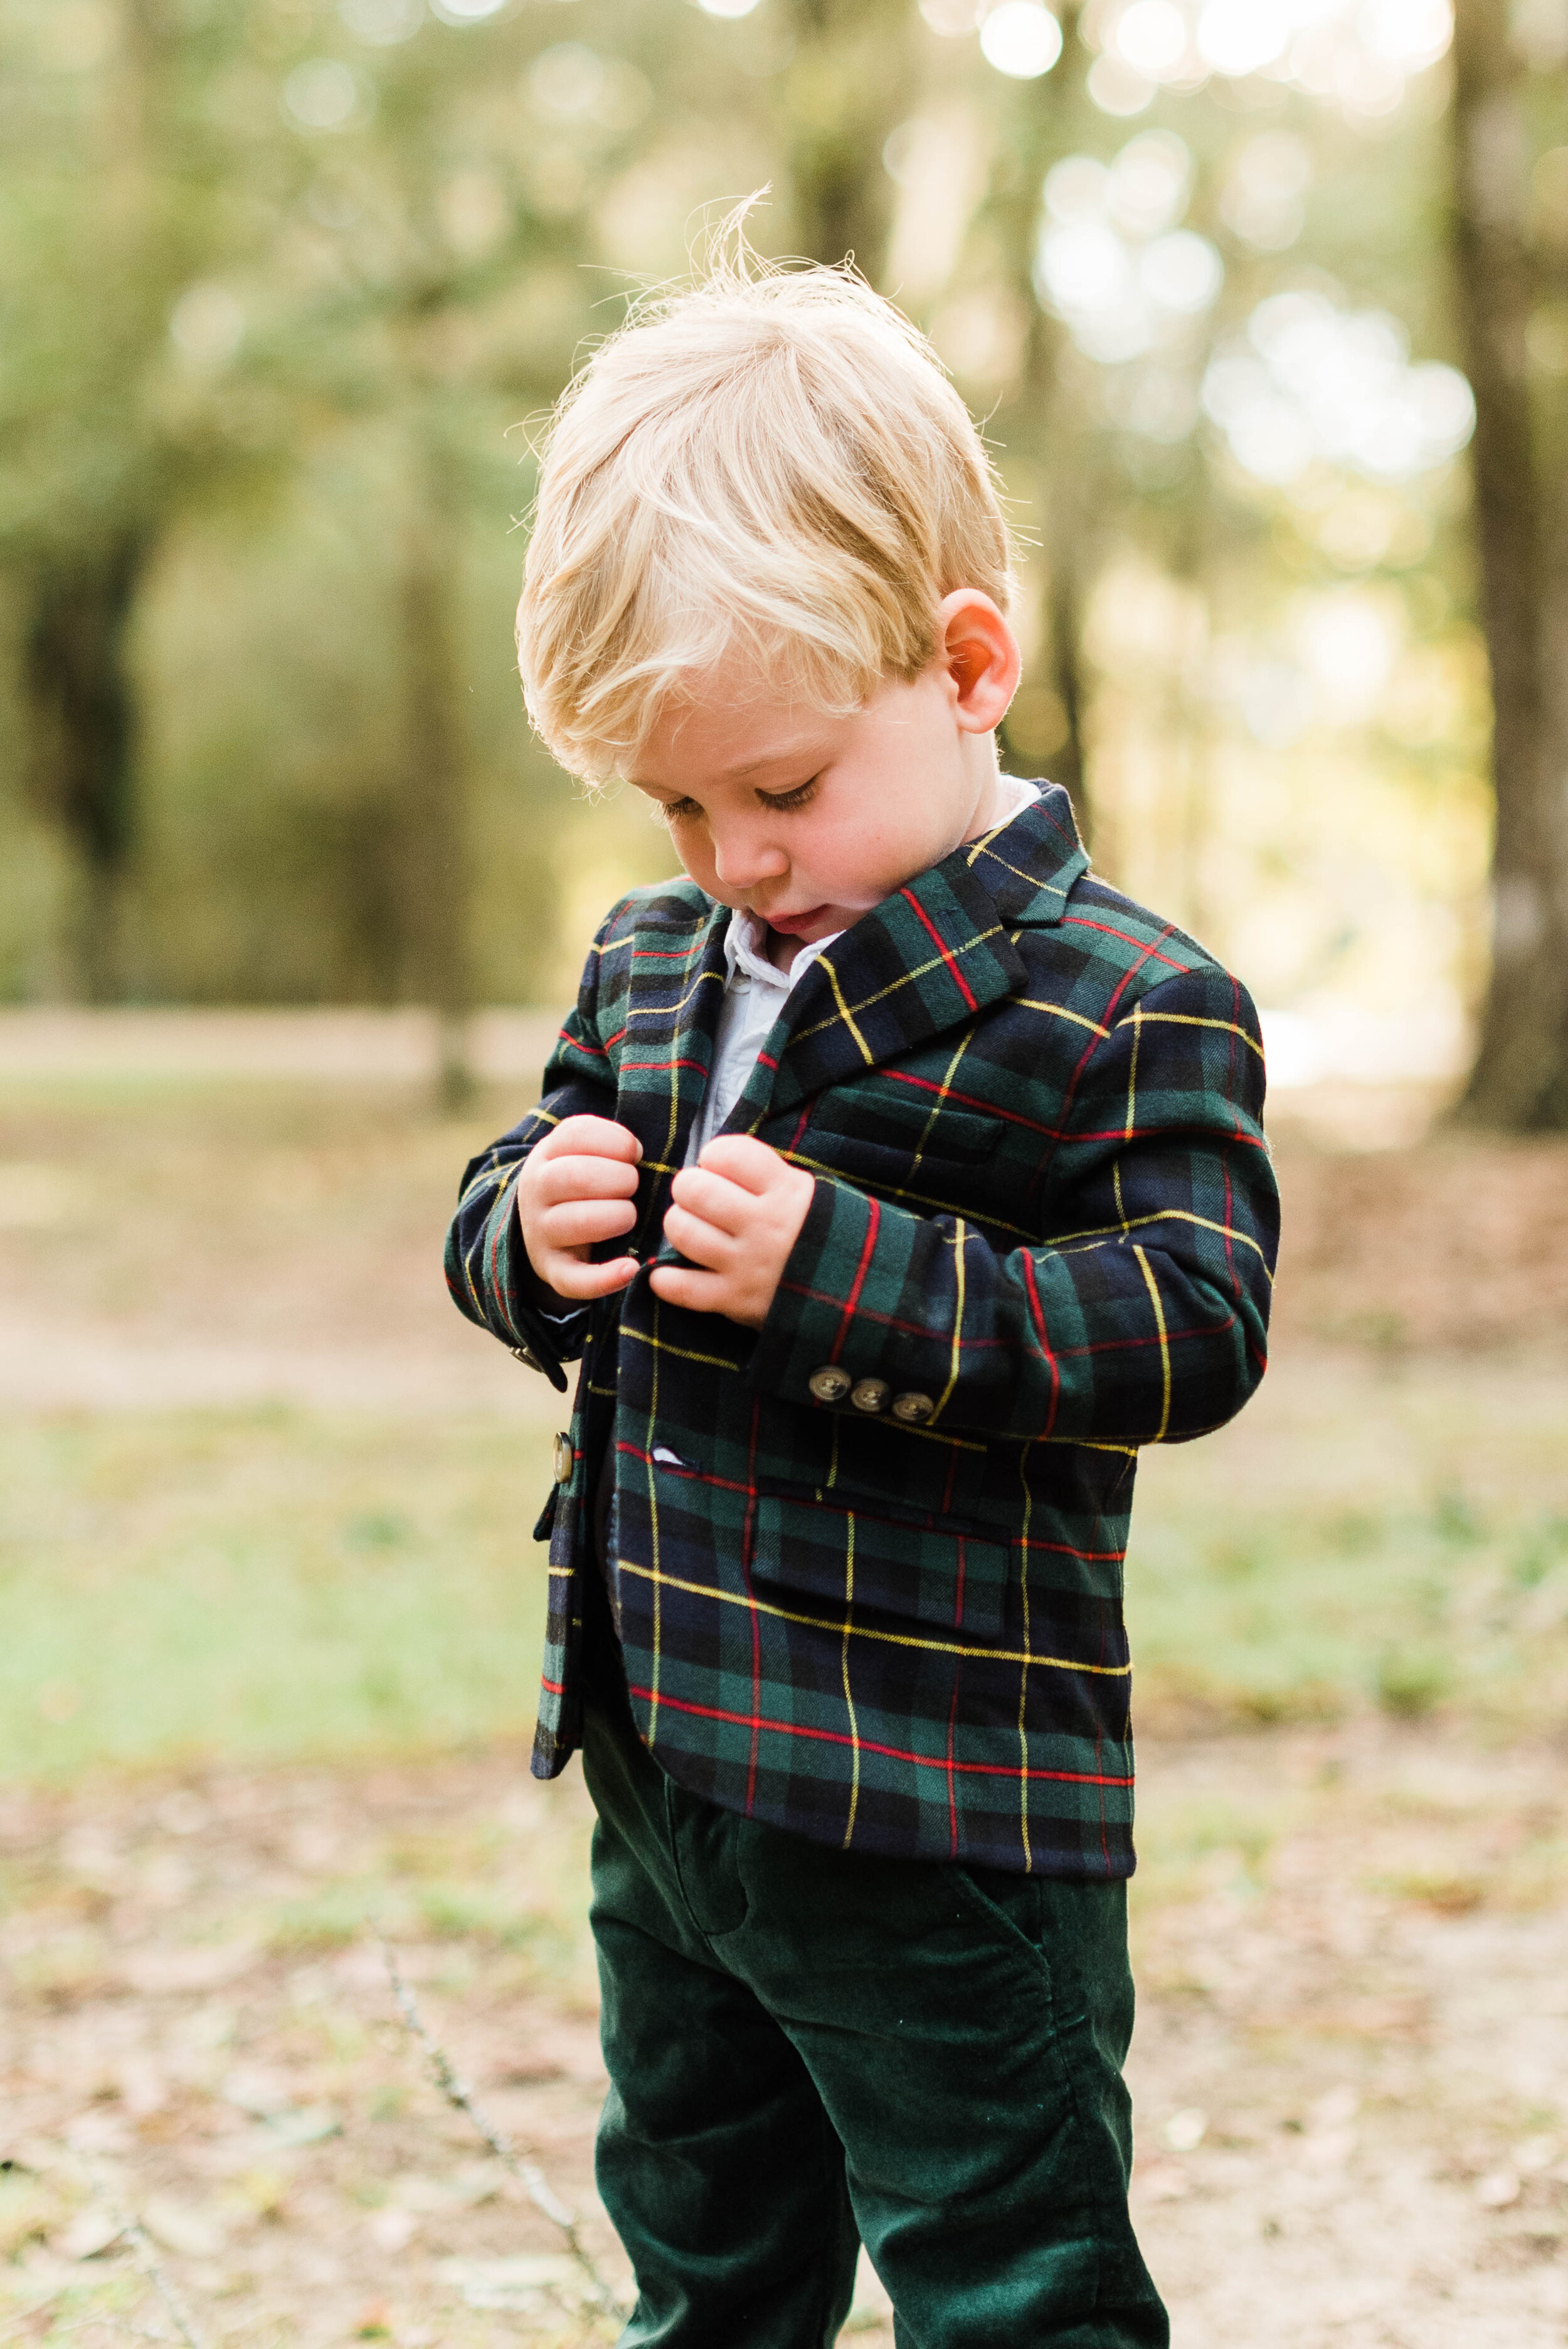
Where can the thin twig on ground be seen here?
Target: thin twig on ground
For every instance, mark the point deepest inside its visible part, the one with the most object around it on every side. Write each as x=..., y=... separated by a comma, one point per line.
x=456, y=2093
x=133, y=2232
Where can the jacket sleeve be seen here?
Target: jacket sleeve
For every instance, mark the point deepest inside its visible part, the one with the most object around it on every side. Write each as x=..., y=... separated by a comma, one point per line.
x=1140, y=1317
x=486, y=1265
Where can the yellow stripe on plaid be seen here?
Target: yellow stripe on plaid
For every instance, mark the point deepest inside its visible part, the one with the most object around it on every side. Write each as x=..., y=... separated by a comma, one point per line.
x=1155, y=1299
x=1191, y=1019
x=865, y=1631
x=910, y=977
x=848, y=1700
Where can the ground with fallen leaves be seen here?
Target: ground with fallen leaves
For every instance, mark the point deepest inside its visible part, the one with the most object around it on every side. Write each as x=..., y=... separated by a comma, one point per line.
x=1351, y=2069
x=259, y=1541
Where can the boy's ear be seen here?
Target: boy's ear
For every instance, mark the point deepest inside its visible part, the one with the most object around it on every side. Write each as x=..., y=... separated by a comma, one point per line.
x=980, y=654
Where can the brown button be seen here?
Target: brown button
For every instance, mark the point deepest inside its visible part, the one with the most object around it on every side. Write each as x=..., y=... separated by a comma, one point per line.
x=914, y=1410
x=829, y=1384
x=563, y=1459
x=870, y=1395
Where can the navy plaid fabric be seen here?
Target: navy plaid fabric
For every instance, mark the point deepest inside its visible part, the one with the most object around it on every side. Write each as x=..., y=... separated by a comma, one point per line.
x=866, y=1561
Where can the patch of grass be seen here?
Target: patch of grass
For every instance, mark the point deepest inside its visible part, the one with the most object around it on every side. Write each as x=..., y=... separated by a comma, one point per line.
x=1321, y=1557
x=263, y=1585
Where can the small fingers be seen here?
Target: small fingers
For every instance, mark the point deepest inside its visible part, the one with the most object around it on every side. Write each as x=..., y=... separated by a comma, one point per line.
x=578, y=1222
x=599, y=1137
x=570, y=1276
x=564, y=1177
x=699, y=1292
x=705, y=1242
x=710, y=1194
x=741, y=1158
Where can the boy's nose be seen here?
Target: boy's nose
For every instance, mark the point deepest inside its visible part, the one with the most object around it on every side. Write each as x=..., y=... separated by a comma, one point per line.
x=740, y=862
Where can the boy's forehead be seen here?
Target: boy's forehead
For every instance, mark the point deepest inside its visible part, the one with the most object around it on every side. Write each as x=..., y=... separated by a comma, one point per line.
x=729, y=735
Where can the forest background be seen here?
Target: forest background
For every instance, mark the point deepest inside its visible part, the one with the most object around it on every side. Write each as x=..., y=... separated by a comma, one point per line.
x=1263, y=305
x=290, y=284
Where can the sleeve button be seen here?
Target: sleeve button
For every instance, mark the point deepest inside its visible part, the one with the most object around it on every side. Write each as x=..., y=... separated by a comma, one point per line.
x=870, y=1395
x=914, y=1410
x=829, y=1384
x=563, y=1459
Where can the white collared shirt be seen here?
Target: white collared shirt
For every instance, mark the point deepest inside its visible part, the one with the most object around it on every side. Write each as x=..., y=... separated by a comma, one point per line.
x=755, y=993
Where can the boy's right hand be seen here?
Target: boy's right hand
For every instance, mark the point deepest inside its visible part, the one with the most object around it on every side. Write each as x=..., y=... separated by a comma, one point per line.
x=577, y=1187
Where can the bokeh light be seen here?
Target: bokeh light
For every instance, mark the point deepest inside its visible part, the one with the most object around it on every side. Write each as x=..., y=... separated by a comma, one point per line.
x=1151, y=37
x=1021, y=38
x=1357, y=54
x=206, y=325
x=1309, y=381
x=1114, y=87
x=1262, y=200
x=1111, y=261
x=323, y=94
x=381, y=23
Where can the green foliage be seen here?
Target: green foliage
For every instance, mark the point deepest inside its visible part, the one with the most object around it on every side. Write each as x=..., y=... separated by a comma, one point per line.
x=286, y=278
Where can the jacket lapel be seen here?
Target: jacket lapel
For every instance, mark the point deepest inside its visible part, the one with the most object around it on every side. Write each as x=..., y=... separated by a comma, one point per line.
x=664, y=1052
x=929, y=957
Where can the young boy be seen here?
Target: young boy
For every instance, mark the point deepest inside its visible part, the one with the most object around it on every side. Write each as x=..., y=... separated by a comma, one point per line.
x=894, y=1179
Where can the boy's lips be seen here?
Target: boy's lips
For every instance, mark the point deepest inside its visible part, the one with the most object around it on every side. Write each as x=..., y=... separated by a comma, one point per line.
x=793, y=923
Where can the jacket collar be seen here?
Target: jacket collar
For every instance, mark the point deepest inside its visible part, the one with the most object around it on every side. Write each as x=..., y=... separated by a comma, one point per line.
x=928, y=957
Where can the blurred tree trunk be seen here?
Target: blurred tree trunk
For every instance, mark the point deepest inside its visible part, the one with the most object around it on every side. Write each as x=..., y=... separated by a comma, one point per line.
x=82, y=712
x=433, y=860
x=1520, y=1081
x=1039, y=422
x=848, y=83
x=1065, y=528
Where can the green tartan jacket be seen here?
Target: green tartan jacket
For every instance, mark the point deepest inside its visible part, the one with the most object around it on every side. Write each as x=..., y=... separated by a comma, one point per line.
x=866, y=1562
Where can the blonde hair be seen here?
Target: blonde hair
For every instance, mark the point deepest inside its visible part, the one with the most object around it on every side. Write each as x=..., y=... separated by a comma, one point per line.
x=772, y=461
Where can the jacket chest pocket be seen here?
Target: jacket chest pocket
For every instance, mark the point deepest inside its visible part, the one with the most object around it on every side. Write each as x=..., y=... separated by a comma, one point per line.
x=857, y=1558
x=900, y=1118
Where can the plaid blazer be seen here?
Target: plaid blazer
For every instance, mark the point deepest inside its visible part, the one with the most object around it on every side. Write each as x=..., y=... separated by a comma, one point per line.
x=865, y=1563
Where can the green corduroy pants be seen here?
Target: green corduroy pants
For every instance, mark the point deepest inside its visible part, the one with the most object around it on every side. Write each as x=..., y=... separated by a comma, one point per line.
x=809, y=2048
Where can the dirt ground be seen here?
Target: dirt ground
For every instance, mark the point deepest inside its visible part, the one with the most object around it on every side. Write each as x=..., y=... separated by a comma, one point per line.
x=1351, y=2067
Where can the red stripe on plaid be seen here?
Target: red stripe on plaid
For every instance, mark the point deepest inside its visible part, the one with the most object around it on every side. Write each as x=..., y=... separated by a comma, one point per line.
x=1083, y=922
x=969, y=1100
x=756, y=1722
x=874, y=1224
x=993, y=1345
x=592, y=1051
x=946, y=952
x=1038, y=1315
x=952, y=1789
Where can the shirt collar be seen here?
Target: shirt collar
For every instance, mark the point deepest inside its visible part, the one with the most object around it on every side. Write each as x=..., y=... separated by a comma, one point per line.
x=745, y=952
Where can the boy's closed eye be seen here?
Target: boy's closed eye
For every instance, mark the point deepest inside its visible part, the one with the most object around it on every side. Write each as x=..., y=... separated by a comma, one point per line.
x=684, y=811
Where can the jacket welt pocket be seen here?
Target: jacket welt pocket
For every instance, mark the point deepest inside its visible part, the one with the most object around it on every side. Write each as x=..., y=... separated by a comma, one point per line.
x=852, y=1556
x=915, y=1122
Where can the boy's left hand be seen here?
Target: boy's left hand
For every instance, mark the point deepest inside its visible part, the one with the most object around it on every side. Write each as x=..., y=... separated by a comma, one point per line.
x=737, y=1213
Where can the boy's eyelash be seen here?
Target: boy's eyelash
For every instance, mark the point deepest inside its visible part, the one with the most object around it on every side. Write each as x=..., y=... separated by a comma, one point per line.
x=682, y=810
